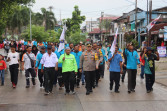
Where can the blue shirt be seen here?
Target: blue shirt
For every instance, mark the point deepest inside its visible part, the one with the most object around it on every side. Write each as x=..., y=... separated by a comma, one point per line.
x=115, y=63
x=38, y=59
x=60, y=53
x=104, y=57
x=45, y=44
x=25, y=43
x=77, y=57
x=35, y=43
x=132, y=59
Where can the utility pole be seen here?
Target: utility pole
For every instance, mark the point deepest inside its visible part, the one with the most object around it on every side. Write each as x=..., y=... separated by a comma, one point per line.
x=91, y=24
x=60, y=18
x=101, y=20
x=50, y=23
x=147, y=24
x=150, y=14
x=136, y=20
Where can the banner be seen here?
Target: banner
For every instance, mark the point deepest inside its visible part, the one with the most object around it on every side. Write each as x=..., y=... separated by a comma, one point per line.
x=114, y=43
x=162, y=51
x=62, y=40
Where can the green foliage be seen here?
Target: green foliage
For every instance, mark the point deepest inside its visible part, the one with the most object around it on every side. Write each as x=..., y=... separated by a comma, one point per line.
x=46, y=19
x=76, y=37
x=38, y=33
x=105, y=24
x=135, y=43
x=54, y=36
x=73, y=24
x=6, y=8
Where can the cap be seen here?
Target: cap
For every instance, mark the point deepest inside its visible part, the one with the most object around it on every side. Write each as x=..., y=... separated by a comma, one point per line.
x=149, y=48
x=49, y=47
x=43, y=47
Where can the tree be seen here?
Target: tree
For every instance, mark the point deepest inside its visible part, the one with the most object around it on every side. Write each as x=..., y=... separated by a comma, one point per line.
x=38, y=33
x=6, y=8
x=73, y=24
x=46, y=19
x=18, y=19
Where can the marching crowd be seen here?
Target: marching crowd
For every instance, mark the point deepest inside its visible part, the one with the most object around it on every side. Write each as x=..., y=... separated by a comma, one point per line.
x=76, y=64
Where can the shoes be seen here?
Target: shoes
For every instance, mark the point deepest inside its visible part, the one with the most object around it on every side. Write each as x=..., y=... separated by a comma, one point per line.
x=122, y=80
x=83, y=83
x=78, y=86
x=46, y=93
x=148, y=91
x=87, y=93
x=34, y=83
x=66, y=93
x=116, y=91
x=13, y=85
x=129, y=91
x=133, y=90
x=27, y=86
x=73, y=92
x=41, y=85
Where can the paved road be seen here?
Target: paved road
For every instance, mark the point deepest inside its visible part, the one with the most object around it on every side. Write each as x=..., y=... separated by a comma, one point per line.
x=33, y=99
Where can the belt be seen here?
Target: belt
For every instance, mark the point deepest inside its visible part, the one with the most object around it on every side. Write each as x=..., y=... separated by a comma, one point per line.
x=49, y=67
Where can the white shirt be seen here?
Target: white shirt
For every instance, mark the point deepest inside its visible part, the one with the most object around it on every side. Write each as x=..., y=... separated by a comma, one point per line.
x=27, y=61
x=14, y=57
x=49, y=61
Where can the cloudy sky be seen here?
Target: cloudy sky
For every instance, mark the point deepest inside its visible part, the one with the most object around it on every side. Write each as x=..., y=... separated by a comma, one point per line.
x=93, y=8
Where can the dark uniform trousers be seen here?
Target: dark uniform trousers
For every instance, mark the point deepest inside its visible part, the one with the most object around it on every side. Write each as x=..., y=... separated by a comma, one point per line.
x=89, y=79
x=150, y=79
x=101, y=70
x=97, y=75
x=69, y=78
x=78, y=78
x=131, y=78
x=14, y=73
x=60, y=77
x=41, y=77
x=27, y=74
x=114, y=78
x=49, y=76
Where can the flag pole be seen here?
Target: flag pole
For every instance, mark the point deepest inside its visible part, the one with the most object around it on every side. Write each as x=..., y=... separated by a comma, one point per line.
x=64, y=37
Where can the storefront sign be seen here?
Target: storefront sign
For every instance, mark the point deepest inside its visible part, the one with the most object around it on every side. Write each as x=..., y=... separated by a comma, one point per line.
x=162, y=51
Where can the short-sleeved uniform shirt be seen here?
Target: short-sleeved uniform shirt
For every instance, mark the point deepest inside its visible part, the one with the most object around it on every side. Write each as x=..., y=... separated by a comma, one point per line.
x=115, y=63
x=27, y=61
x=14, y=57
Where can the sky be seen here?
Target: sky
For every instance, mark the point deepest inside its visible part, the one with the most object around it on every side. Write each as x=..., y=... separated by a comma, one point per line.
x=92, y=8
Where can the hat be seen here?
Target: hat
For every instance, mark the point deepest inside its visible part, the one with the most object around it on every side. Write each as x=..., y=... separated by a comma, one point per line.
x=43, y=47
x=149, y=49
x=49, y=47
x=67, y=48
x=89, y=45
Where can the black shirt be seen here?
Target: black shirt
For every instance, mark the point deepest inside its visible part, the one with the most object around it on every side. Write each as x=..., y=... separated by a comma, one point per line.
x=151, y=60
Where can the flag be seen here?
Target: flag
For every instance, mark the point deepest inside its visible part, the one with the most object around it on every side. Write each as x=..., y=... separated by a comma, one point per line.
x=62, y=40
x=114, y=43
x=151, y=25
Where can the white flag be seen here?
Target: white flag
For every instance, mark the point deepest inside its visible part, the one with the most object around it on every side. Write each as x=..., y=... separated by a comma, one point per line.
x=151, y=25
x=62, y=39
x=114, y=43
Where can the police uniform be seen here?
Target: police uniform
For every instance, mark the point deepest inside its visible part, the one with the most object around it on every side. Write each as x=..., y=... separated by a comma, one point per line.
x=88, y=63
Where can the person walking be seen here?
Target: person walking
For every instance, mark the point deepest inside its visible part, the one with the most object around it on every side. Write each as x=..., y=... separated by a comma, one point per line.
x=149, y=68
x=50, y=63
x=13, y=59
x=2, y=70
x=69, y=69
x=132, y=61
x=115, y=69
x=89, y=64
x=28, y=63
x=38, y=66
x=77, y=55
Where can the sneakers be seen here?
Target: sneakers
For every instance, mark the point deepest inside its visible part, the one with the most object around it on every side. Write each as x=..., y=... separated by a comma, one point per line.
x=13, y=85
x=41, y=85
x=83, y=83
x=148, y=91
x=27, y=86
x=46, y=93
x=133, y=90
x=73, y=92
x=117, y=91
x=87, y=92
x=129, y=91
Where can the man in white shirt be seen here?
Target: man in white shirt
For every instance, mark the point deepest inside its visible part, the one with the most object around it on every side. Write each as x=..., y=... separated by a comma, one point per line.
x=13, y=59
x=28, y=63
x=50, y=63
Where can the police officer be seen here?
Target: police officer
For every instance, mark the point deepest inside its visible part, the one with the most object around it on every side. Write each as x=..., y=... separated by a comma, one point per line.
x=89, y=64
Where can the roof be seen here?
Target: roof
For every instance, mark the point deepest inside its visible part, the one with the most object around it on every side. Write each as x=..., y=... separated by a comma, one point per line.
x=108, y=18
x=96, y=31
x=160, y=8
x=158, y=26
